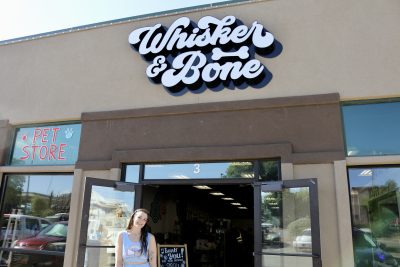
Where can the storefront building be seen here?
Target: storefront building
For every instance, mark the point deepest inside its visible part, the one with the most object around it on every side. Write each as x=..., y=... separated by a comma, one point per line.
x=257, y=133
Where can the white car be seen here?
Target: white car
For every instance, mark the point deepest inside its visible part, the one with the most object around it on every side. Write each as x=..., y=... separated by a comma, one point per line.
x=303, y=241
x=24, y=225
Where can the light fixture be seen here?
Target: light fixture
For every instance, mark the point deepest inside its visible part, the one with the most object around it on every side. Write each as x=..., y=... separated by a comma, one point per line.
x=180, y=176
x=202, y=187
x=366, y=173
x=242, y=208
x=227, y=198
x=236, y=204
x=217, y=193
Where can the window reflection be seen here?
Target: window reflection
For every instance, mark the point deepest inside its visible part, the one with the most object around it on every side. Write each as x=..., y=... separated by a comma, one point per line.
x=372, y=129
x=286, y=224
x=26, y=259
x=132, y=173
x=99, y=257
x=375, y=213
x=269, y=170
x=109, y=214
x=218, y=170
x=35, y=217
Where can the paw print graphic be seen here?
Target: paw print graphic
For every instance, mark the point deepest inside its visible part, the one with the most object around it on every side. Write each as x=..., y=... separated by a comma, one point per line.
x=69, y=132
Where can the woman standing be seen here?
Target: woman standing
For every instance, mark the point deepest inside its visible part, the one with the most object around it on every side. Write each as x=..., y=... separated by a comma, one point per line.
x=136, y=247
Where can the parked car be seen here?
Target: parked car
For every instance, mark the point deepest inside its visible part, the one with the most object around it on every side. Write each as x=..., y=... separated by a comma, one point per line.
x=52, y=238
x=303, y=242
x=265, y=228
x=368, y=252
x=20, y=227
x=274, y=239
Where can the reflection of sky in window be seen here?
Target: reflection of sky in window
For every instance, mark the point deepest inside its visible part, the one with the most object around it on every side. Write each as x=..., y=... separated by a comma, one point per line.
x=186, y=171
x=372, y=129
x=132, y=173
x=111, y=195
x=360, y=177
x=45, y=184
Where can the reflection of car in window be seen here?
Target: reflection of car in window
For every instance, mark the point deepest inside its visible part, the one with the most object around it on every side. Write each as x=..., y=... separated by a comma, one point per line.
x=52, y=238
x=54, y=233
x=265, y=228
x=368, y=252
x=303, y=241
x=21, y=226
x=274, y=239
x=271, y=236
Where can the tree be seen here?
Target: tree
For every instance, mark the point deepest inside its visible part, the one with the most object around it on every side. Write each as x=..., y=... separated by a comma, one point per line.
x=13, y=195
x=271, y=207
x=239, y=170
x=40, y=206
x=61, y=203
x=269, y=170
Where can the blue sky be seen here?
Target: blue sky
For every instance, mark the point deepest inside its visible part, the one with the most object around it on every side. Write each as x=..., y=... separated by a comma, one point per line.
x=376, y=177
x=45, y=184
x=22, y=18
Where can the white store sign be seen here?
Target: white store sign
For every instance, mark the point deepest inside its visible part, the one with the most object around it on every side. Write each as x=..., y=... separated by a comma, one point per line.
x=210, y=54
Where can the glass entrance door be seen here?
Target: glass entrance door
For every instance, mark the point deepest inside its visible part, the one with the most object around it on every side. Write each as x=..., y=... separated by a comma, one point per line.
x=286, y=224
x=106, y=210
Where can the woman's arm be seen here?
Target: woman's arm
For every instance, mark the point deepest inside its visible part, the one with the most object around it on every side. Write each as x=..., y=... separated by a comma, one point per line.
x=153, y=251
x=118, y=251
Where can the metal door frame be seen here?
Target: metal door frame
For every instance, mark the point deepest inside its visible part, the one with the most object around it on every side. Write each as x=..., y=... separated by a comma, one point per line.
x=312, y=185
x=89, y=183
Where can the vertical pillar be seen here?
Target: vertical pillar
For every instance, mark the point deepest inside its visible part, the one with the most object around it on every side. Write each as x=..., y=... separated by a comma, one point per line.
x=74, y=223
x=287, y=171
x=343, y=213
x=5, y=141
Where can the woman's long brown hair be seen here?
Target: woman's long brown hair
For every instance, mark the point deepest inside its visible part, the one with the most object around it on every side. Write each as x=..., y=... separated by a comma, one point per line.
x=143, y=232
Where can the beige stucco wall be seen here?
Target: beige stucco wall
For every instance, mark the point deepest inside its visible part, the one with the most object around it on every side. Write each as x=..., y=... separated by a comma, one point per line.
x=344, y=46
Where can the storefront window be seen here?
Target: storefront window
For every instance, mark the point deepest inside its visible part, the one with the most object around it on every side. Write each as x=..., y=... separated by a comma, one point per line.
x=199, y=170
x=286, y=219
x=132, y=173
x=375, y=206
x=46, y=145
x=34, y=218
x=372, y=129
x=267, y=170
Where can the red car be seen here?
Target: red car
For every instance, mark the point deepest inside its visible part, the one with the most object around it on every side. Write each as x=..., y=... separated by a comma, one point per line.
x=52, y=238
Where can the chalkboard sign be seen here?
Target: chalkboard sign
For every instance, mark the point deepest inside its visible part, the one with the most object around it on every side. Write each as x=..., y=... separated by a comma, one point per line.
x=172, y=256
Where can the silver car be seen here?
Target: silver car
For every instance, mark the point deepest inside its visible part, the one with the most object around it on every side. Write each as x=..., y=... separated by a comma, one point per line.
x=303, y=241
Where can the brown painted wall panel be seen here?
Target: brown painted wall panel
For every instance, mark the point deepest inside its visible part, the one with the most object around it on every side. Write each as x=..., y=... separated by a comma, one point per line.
x=310, y=124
